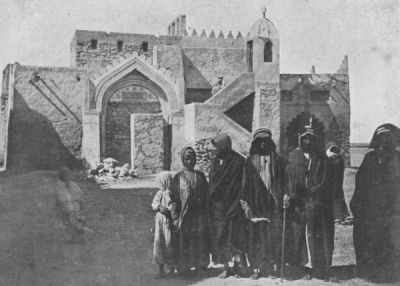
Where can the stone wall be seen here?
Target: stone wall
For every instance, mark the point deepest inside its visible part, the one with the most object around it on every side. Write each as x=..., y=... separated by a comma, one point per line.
x=46, y=120
x=83, y=54
x=147, y=139
x=205, y=153
x=325, y=96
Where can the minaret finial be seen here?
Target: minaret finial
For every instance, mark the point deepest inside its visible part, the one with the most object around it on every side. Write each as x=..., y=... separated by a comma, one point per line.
x=264, y=11
x=310, y=121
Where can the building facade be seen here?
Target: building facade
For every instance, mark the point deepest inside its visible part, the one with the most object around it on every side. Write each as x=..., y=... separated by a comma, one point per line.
x=140, y=98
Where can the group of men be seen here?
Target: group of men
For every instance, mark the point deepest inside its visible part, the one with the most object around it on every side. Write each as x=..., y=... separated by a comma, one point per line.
x=278, y=214
x=247, y=205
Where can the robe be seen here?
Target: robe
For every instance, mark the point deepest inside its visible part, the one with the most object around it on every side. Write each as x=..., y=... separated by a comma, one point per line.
x=311, y=210
x=264, y=239
x=225, y=214
x=190, y=190
x=163, y=246
x=376, y=209
x=335, y=176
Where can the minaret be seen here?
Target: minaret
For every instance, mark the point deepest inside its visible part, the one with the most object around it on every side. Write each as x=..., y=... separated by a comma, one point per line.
x=262, y=44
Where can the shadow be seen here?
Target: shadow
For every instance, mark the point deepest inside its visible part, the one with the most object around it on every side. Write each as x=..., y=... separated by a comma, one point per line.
x=34, y=144
x=48, y=98
x=198, y=87
x=60, y=100
x=344, y=272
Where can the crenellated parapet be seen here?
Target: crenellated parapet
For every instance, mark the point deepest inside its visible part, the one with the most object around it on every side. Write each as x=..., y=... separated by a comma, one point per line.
x=213, y=39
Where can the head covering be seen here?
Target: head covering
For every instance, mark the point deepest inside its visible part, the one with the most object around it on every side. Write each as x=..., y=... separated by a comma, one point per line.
x=164, y=179
x=262, y=132
x=329, y=145
x=328, y=152
x=255, y=145
x=187, y=149
x=223, y=142
x=385, y=128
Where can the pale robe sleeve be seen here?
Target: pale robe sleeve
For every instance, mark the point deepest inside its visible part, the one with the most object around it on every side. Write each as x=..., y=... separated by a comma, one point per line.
x=156, y=201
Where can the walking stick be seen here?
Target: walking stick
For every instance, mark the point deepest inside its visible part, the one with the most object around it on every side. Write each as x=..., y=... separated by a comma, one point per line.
x=285, y=206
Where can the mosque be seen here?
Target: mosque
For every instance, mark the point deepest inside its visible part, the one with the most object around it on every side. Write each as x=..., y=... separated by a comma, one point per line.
x=140, y=98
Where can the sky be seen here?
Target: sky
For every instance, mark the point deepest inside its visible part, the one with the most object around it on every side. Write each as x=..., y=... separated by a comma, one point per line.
x=312, y=32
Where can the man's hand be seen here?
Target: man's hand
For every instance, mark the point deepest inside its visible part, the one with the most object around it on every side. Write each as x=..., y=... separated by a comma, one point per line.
x=247, y=211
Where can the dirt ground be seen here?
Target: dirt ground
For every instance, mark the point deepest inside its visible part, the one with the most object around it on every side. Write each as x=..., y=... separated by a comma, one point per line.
x=36, y=248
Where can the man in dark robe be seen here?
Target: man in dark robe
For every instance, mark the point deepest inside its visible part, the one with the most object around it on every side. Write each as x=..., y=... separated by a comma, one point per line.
x=335, y=176
x=190, y=190
x=376, y=208
x=261, y=199
x=311, y=207
x=225, y=214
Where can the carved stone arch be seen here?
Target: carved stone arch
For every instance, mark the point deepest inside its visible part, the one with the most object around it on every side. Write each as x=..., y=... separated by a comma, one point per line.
x=297, y=124
x=107, y=80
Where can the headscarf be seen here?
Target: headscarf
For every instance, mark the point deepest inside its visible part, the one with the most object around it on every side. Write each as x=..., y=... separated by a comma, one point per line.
x=223, y=142
x=185, y=150
x=328, y=151
x=308, y=130
x=262, y=133
x=387, y=127
x=164, y=180
x=257, y=136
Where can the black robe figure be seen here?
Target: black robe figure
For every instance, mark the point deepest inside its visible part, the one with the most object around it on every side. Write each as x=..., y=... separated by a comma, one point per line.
x=311, y=207
x=376, y=208
x=190, y=191
x=261, y=199
x=335, y=176
x=225, y=214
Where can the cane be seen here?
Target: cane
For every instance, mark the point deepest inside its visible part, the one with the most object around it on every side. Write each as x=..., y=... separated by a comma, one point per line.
x=285, y=206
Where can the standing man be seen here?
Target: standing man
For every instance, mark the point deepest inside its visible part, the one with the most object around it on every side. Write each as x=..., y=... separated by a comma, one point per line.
x=376, y=208
x=225, y=214
x=311, y=207
x=189, y=192
x=261, y=199
x=335, y=175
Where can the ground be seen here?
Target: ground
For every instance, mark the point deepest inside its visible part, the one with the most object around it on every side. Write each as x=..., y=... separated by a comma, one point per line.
x=36, y=248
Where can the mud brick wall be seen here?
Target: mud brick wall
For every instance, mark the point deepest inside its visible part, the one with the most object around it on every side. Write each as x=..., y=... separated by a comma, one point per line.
x=45, y=129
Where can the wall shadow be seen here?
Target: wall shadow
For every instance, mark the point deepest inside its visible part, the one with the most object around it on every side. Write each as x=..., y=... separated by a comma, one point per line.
x=33, y=143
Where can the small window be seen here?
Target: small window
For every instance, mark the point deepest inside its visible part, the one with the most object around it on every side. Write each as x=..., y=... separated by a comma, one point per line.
x=145, y=47
x=268, y=52
x=93, y=44
x=120, y=45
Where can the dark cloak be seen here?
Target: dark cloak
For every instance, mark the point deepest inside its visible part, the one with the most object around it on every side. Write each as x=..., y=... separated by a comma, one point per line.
x=263, y=238
x=335, y=176
x=311, y=206
x=376, y=209
x=225, y=214
x=190, y=190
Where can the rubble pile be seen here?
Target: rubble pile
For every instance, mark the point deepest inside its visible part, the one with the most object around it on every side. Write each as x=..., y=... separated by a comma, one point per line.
x=205, y=153
x=108, y=170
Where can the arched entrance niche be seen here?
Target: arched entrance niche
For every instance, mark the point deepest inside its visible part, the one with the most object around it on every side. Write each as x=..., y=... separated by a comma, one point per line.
x=135, y=86
x=134, y=93
x=297, y=125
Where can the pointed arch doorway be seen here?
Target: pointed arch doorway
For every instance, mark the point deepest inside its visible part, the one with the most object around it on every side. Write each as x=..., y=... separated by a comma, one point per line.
x=297, y=125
